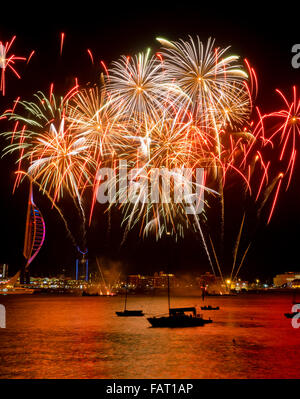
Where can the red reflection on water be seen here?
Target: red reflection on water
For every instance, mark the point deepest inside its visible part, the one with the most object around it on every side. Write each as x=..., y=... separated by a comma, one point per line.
x=81, y=337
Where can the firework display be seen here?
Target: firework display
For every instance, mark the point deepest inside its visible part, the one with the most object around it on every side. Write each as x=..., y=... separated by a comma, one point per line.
x=189, y=107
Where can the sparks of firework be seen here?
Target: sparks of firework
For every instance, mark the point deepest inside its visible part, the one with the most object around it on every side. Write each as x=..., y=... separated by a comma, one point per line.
x=90, y=55
x=137, y=86
x=30, y=56
x=168, y=145
x=90, y=114
x=58, y=160
x=286, y=124
x=146, y=91
x=283, y=127
x=213, y=82
x=62, y=39
x=7, y=61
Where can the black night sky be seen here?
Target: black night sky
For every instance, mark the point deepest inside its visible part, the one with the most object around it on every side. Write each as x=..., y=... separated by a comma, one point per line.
x=265, y=37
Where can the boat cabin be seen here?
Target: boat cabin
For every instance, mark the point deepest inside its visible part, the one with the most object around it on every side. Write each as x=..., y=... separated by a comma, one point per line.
x=183, y=311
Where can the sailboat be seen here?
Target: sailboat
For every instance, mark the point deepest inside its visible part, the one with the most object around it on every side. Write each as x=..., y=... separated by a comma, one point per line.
x=126, y=312
x=179, y=317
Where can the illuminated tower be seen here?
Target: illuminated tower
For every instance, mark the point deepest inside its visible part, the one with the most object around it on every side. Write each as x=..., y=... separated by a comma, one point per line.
x=34, y=236
x=82, y=265
x=4, y=271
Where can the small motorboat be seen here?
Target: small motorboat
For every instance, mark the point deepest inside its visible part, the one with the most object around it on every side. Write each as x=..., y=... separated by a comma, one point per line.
x=209, y=307
x=86, y=293
x=126, y=313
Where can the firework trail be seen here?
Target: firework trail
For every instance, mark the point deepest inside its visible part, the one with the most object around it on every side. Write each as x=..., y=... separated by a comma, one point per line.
x=7, y=61
x=62, y=38
x=237, y=245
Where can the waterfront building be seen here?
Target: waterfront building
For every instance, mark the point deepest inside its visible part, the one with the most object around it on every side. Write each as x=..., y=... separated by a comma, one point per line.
x=56, y=283
x=296, y=283
x=239, y=285
x=158, y=280
x=134, y=280
x=286, y=279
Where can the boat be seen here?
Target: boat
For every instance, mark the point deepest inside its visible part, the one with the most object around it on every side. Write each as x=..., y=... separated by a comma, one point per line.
x=85, y=293
x=209, y=307
x=16, y=291
x=179, y=317
x=126, y=312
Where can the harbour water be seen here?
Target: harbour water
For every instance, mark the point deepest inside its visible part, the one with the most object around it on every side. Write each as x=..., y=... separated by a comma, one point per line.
x=81, y=337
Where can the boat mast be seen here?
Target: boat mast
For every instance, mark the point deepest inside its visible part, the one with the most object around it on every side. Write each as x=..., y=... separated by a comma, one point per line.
x=169, y=238
x=126, y=295
x=169, y=292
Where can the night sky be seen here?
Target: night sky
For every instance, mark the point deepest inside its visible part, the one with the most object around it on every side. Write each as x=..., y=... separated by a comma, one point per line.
x=265, y=37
